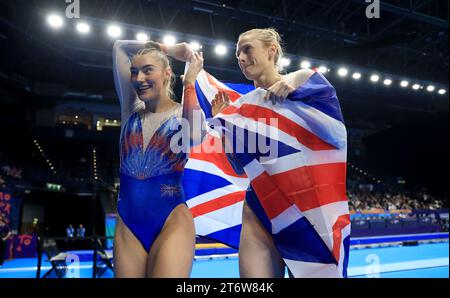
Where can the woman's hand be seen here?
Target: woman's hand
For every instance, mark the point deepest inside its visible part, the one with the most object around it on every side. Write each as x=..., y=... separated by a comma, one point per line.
x=278, y=92
x=180, y=51
x=196, y=65
x=220, y=102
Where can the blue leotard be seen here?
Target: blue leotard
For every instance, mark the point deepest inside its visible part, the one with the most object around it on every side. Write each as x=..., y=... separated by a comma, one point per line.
x=150, y=178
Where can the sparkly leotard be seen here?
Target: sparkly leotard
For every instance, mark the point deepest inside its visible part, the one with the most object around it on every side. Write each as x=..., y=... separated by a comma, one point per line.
x=150, y=177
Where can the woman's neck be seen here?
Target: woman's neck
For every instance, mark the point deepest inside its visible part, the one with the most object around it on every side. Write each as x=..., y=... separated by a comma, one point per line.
x=160, y=105
x=267, y=79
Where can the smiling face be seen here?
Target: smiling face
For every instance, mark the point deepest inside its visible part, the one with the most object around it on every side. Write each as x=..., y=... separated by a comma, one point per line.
x=254, y=57
x=149, y=77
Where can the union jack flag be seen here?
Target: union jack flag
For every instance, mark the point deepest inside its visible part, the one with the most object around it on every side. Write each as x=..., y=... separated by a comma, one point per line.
x=301, y=191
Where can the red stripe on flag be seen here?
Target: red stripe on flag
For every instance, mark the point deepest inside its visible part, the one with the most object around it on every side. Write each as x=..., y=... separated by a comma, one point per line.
x=271, y=198
x=230, y=110
x=220, y=160
x=264, y=115
x=218, y=203
x=307, y=187
x=231, y=93
x=311, y=187
x=339, y=225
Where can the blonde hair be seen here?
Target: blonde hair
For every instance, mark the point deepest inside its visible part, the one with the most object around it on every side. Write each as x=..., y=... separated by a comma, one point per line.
x=268, y=36
x=154, y=49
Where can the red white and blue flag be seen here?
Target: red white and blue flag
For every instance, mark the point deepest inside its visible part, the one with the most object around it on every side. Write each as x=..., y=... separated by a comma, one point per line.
x=214, y=191
x=302, y=189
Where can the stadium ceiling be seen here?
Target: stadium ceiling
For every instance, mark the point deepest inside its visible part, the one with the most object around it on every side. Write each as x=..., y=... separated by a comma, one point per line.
x=410, y=38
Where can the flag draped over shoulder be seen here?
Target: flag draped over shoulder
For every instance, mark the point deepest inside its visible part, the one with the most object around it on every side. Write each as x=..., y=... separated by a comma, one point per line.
x=300, y=184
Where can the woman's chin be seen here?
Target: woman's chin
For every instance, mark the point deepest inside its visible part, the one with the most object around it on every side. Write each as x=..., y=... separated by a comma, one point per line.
x=146, y=97
x=248, y=75
x=250, y=78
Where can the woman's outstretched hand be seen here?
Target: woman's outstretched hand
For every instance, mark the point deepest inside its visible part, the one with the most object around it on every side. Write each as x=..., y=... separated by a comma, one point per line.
x=220, y=102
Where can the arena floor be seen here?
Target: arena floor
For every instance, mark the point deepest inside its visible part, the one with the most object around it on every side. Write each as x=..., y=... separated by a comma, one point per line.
x=422, y=261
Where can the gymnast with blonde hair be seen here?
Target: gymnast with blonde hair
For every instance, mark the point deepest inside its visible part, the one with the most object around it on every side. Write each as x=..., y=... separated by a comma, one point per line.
x=155, y=234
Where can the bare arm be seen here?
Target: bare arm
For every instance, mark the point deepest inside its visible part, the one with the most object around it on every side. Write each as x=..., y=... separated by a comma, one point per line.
x=192, y=111
x=300, y=77
x=122, y=52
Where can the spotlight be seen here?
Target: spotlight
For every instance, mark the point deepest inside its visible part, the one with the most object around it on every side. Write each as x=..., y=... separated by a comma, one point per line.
x=114, y=31
x=305, y=64
x=342, y=72
x=220, y=50
x=442, y=91
x=431, y=88
x=323, y=69
x=195, y=46
x=141, y=36
x=169, y=40
x=416, y=86
x=55, y=21
x=374, y=78
x=83, y=28
x=357, y=76
x=387, y=82
x=404, y=84
x=285, y=62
